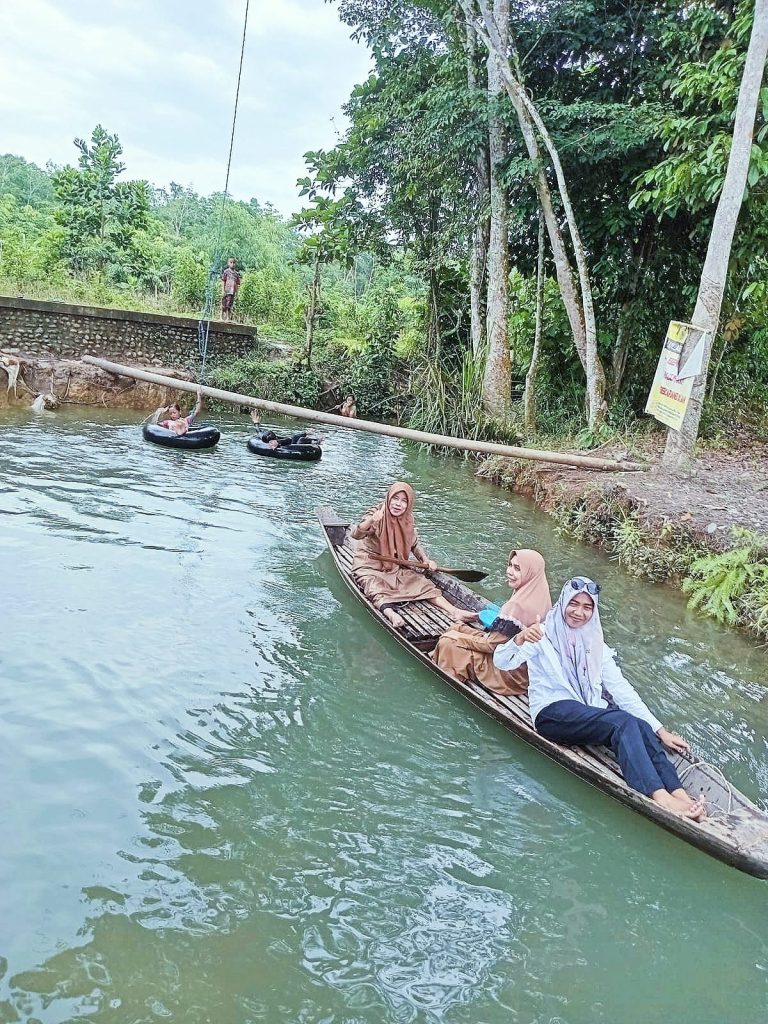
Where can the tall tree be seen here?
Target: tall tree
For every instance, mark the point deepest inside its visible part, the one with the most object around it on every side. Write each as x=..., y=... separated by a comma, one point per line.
x=497, y=378
x=481, y=226
x=99, y=214
x=405, y=160
x=580, y=309
x=529, y=395
x=329, y=226
x=679, y=449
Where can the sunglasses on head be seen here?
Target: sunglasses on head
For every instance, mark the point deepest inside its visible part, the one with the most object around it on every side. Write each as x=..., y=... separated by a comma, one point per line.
x=588, y=585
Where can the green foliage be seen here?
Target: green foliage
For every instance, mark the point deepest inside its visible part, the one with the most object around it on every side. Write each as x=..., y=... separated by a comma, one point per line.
x=99, y=215
x=189, y=278
x=449, y=403
x=696, y=132
x=23, y=180
x=274, y=381
x=80, y=234
x=732, y=585
x=657, y=555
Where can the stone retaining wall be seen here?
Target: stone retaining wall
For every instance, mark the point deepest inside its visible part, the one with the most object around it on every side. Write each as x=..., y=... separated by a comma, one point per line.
x=32, y=328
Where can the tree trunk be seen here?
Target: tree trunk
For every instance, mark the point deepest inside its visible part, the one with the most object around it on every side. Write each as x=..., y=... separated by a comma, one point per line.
x=678, y=453
x=310, y=318
x=560, y=258
x=433, y=321
x=620, y=351
x=480, y=237
x=581, y=313
x=529, y=398
x=497, y=379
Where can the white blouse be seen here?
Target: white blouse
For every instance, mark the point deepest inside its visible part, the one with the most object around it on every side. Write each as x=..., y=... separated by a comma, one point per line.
x=548, y=683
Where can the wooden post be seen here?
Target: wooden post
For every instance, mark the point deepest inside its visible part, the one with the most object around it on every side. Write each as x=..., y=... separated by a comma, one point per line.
x=371, y=426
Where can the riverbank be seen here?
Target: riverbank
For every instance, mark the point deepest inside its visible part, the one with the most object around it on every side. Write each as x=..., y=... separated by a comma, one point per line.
x=707, y=535
x=73, y=382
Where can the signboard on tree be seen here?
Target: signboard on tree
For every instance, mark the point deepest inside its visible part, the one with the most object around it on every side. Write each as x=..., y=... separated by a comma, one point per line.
x=679, y=363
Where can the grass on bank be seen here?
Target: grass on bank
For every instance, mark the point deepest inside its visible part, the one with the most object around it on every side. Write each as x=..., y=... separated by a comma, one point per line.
x=731, y=586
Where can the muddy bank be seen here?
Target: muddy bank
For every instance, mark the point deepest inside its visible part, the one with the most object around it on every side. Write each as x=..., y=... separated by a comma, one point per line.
x=707, y=535
x=76, y=383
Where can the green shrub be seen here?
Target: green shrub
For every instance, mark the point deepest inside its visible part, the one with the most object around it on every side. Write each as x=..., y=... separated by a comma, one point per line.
x=732, y=585
x=274, y=381
x=450, y=403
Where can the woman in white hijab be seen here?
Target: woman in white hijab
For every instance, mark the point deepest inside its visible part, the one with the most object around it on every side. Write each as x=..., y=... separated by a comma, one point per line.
x=578, y=696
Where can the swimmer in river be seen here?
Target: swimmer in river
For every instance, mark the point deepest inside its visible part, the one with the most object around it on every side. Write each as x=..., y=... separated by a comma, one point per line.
x=271, y=439
x=175, y=422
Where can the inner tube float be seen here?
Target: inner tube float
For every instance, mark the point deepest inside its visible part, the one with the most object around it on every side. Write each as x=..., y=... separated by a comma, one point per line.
x=295, y=452
x=204, y=436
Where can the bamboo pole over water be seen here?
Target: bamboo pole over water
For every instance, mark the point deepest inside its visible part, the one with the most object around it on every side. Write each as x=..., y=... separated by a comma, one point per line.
x=373, y=427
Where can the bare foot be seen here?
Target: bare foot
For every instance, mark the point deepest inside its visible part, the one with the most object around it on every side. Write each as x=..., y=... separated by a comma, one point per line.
x=697, y=810
x=694, y=810
x=462, y=616
x=397, y=620
x=684, y=798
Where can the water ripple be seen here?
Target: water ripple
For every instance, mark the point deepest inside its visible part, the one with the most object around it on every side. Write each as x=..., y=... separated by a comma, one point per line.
x=234, y=798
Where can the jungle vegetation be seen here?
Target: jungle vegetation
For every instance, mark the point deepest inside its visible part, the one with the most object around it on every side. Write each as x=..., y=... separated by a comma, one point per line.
x=522, y=199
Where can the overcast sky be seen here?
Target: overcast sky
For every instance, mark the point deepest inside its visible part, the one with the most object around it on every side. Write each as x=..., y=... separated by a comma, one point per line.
x=162, y=73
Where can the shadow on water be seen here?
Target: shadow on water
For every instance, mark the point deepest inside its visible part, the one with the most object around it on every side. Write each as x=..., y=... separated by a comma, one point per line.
x=234, y=798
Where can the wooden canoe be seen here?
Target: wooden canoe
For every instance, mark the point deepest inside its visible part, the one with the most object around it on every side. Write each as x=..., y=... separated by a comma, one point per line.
x=736, y=831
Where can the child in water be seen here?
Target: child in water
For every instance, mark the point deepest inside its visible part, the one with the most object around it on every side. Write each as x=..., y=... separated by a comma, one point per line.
x=177, y=423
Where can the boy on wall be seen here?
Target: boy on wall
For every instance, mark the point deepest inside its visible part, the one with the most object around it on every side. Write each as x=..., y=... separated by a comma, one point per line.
x=231, y=281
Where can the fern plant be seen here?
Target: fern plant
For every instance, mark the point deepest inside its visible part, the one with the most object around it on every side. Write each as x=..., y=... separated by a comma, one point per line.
x=732, y=585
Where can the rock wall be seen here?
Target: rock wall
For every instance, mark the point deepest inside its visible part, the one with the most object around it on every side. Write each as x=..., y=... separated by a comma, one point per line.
x=29, y=328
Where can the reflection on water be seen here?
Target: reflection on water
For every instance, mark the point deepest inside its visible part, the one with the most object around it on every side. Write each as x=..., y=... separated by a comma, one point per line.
x=230, y=797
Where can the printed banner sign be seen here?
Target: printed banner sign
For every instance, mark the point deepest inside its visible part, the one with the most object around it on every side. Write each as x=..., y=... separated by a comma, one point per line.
x=672, y=384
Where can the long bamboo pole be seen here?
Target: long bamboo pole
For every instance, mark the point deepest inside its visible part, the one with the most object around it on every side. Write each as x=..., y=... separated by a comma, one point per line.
x=420, y=436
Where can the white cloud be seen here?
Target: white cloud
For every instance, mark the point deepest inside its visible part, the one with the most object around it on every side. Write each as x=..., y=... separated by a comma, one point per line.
x=200, y=66
x=285, y=17
x=83, y=48
x=163, y=78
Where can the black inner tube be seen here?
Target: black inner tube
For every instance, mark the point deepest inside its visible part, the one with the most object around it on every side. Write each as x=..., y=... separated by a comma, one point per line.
x=291, y=452
x=204, y=436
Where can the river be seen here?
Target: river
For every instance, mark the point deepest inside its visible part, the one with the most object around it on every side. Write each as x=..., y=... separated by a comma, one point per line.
x=228, y=796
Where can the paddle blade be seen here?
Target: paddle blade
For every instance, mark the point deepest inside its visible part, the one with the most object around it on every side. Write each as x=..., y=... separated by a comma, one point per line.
x=468, y=575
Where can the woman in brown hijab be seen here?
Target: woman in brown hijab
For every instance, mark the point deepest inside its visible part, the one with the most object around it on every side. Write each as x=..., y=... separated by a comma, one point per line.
x=467, y=653
x=388, y=529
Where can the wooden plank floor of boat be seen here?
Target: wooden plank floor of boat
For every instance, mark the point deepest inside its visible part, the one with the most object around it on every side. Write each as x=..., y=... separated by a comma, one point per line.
x=425, y=623
x=735, y=833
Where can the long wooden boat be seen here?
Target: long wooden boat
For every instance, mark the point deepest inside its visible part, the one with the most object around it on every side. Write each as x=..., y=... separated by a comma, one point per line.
x=736, y=830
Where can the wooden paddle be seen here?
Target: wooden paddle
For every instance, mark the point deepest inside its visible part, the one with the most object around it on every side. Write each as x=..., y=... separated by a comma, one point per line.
x=469, y=575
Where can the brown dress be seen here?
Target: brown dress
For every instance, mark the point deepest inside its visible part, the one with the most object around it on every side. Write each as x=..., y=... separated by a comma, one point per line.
x=467, y=653
x=380, y=533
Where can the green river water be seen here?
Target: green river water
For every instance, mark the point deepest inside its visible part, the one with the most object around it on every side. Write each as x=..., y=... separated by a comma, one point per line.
x=228, y=796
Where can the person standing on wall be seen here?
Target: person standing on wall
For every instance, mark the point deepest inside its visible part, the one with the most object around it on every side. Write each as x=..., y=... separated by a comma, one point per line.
x=230, y=278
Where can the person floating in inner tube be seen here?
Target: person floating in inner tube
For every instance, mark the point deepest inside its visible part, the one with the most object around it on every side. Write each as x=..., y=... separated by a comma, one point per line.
x=271, y=439
x=175, y=422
